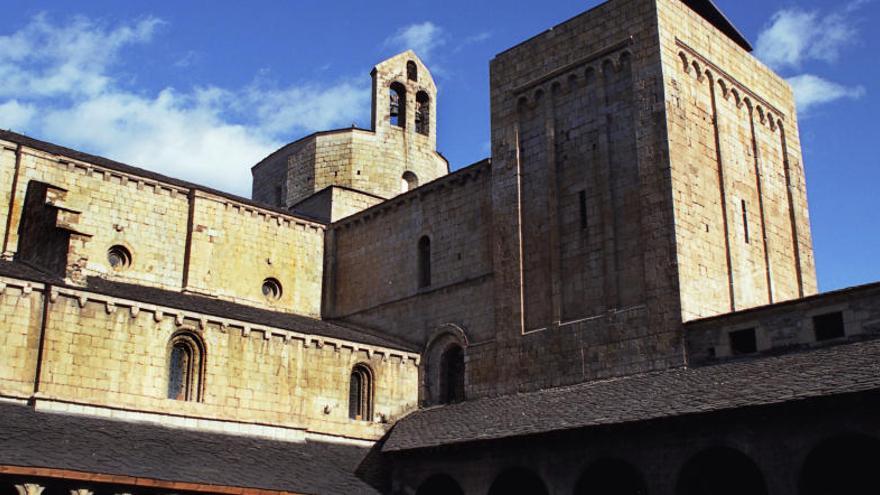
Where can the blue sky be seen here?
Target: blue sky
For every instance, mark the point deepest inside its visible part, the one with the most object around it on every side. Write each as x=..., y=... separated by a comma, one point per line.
x=202, y=90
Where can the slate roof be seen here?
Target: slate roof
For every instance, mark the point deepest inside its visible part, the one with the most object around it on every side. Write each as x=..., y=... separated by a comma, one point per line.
x=215, y=307
x=29, y=438
x=845, y=368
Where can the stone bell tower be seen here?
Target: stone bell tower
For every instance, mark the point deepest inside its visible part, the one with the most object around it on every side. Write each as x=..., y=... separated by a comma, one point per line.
x=333, y=174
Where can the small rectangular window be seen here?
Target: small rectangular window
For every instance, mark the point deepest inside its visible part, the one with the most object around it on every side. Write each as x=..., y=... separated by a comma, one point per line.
x=743, y=342
x=745, y=213
x=829, y=326
x=582, y=202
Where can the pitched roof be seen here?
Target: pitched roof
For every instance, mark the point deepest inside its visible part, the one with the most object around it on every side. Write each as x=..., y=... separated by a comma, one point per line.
x=709, y=11
x=215, y=307
x=78, y=443
x=846, y=368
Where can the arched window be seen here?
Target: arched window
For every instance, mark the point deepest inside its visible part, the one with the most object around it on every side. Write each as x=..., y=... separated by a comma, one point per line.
x=843, y=464
x=721, y=471
x=452, y=375
x=360, y=394
x=397, y=104
x=518, y=480
x=186, y=365
x=412, y=72
x=440, y=484
x=409, y=181
x=423, y=113
x=611, y=476
x=424, y=259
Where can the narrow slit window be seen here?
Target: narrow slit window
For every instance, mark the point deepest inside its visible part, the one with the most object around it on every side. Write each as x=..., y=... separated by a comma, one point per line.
x=424, y=260
x=745, y=213
x=582, y=204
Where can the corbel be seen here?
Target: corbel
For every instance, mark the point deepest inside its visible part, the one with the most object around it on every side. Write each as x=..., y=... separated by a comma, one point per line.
x=158, y=315
x=110, y=307
x=134, y=310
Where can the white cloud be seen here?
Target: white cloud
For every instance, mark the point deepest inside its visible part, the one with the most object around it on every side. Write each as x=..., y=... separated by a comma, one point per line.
x=57, y=82
x=810, y=91
x=422, y=38
x=795, y=36
x=15, y=115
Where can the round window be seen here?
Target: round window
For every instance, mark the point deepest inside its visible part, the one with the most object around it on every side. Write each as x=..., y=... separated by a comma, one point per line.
x=119, y=257
x=272, y=289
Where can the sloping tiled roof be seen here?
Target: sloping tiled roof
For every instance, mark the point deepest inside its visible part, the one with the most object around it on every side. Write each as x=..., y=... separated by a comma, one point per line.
x=29, y=438
x=215, y=307
x=846, y=368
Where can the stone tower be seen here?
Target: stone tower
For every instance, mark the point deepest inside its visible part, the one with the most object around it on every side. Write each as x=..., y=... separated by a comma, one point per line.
x=333, y=174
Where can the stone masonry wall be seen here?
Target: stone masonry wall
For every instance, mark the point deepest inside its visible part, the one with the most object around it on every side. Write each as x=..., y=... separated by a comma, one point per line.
x=584, y=275
x=147, y=217
x=104, y=352
x=371, y=161
x=233, y=249
x=742, y=225
x=21, y=307
x=786, y=326
x=179, y=238
x=374, y=261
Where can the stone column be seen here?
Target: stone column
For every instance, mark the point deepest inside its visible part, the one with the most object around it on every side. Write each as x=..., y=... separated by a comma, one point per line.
x=29, y=489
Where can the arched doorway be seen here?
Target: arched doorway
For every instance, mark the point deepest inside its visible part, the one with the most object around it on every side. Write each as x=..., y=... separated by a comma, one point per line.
x=610, y=477
x=439, y=484
x=843, y=464
x=518, y=481
x=452, y=375
x=721, y=471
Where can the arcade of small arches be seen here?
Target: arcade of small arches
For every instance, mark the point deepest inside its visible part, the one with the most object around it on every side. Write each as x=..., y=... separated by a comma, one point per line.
x=532, y=95
x=838, y=464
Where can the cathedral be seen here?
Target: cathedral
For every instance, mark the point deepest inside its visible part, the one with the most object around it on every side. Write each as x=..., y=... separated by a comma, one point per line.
x=621, y=300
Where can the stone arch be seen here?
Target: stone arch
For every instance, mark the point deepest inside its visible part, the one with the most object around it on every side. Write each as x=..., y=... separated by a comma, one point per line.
x=360, y=393
x=844, y=463
x=397, y=104
x=610, y=477
x=625, y=59
x=435, y=369
x=423, y=113
x=408, y=181
x=439, y=484
x=590, y=75
x=518, y=480
x=720, y=471
x=685, y=64
x=412, y=71
x=186, y=366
